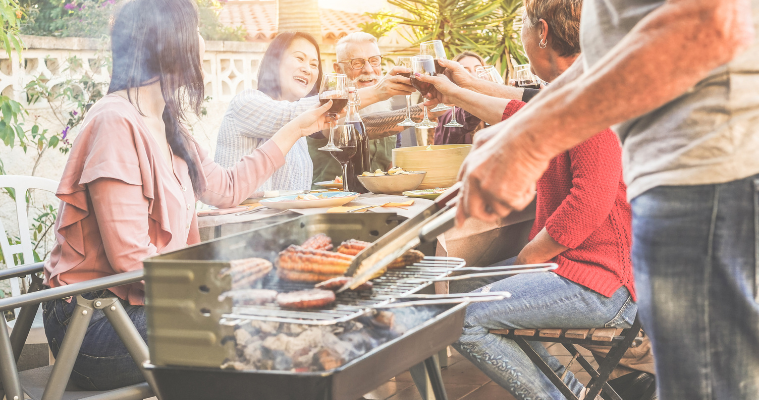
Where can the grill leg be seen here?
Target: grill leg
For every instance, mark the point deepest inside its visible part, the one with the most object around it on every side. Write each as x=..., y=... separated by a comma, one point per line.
x=428, y=380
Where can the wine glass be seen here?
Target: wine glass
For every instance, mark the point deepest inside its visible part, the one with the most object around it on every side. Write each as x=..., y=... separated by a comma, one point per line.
x=333, y=88
x=346, y=143
x=423, y=65
x=405, y=61
x=480, y=72
x=525, y=78
x=494, y=75
x=435, y=49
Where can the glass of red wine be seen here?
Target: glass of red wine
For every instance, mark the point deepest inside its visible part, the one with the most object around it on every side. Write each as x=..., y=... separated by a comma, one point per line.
x=333, y=88
x=346, y=143
x=423, y=65
x=435, y=49
x=525, y=78
x=405, y=61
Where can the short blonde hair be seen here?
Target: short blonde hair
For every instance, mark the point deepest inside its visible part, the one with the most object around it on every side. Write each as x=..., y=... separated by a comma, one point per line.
x=355, y=37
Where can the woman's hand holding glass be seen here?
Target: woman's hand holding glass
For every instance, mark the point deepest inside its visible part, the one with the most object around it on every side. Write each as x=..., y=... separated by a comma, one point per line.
x=315, y=119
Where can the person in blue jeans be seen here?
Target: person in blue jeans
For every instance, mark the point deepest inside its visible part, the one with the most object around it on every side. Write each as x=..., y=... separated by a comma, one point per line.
x=688, y=121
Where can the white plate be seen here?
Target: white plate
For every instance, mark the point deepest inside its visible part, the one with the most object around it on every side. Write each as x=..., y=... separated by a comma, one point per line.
x=328, y=200
x=329, y=184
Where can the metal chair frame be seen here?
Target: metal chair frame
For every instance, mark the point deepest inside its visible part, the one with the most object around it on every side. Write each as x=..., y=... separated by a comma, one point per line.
x=599, y=378
x=11, y=345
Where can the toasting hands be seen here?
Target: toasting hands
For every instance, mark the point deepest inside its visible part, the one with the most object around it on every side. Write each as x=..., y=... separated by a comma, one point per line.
x=314, y=120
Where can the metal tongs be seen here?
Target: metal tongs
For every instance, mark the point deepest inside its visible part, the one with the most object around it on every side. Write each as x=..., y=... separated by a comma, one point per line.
x=424, y=227
x=438, y=299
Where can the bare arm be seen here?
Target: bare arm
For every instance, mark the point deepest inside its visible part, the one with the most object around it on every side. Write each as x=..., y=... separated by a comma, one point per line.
x=541, y=249
x=665, y=50
x=487, y=108
x=385, y=123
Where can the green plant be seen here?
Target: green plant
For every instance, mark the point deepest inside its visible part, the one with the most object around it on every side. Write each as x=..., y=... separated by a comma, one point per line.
x=68, y=18
x=210, y=26
x=10, y=18
x=482, y=26
x=380, y=25
x=44, y=17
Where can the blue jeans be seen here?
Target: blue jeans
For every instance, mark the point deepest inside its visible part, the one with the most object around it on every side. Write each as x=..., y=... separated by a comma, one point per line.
x=103, y=362
x=696, y=273
x=539, y=300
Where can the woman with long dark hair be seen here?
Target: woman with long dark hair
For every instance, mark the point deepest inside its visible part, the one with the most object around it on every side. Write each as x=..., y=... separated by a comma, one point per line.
x=130, y=185
x=288, y=83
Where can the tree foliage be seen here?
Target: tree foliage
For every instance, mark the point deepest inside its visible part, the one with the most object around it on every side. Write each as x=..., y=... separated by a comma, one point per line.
x=483, y=26
x=91, y=18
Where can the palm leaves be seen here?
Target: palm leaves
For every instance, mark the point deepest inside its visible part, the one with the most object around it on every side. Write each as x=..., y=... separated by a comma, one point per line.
x=482, y=26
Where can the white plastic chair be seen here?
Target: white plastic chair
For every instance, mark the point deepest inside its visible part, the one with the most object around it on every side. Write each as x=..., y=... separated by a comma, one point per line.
x=21, y=184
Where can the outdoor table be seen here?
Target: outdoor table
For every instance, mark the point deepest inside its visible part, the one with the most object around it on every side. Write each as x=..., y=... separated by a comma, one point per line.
x=212, y=227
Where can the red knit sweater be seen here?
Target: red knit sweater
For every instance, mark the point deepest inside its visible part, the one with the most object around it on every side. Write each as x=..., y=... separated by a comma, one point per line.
x=582, y=203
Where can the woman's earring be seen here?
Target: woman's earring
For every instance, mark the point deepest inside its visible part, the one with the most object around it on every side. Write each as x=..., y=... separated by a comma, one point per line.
x=543, y=43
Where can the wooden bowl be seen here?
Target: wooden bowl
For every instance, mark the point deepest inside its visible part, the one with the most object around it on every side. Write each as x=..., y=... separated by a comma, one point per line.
x=442, y=162
x=392, y=184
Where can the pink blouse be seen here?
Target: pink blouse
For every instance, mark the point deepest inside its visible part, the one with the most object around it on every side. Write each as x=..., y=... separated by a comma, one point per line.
x=121, y=202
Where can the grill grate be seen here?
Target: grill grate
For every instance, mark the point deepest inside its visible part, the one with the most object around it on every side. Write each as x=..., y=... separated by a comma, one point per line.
x=348, y=305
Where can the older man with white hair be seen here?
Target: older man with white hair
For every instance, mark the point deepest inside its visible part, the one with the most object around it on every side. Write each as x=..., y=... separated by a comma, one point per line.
x=358, y=57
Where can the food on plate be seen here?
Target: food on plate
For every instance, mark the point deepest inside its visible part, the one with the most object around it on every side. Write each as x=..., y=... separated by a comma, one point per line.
x=319, y=261
x=312, y=298
x=338, y=179
x=245, y=272
x=340, y=281
x=250, y=297
x=409, y=258
x=310, y=197
x=318, y=242
x=352, y=247
x=391, y=171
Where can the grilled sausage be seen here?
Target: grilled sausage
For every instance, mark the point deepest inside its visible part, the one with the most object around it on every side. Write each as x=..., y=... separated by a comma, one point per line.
x=318, y=242
x=246, y=271
x=314, y=298
x=298, y=276
x=340, y=281
x=250, y=297
x=352, y=247
x=411, y=257
x=318, y=261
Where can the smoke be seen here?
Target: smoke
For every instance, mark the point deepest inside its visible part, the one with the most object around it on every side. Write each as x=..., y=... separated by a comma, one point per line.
x=300, y=348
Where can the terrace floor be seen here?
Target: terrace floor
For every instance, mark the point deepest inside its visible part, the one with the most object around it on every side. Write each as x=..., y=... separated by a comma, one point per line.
x=464, y=381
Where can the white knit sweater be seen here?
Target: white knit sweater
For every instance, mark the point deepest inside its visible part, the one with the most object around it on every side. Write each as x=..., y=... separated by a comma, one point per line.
x=253, y=118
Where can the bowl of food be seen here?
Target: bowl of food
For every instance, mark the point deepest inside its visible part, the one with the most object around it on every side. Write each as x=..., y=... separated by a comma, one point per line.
x=394, y=181
x=442, y=162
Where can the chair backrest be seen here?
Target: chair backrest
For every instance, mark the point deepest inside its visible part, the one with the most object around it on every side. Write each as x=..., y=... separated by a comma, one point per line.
x=21, y=185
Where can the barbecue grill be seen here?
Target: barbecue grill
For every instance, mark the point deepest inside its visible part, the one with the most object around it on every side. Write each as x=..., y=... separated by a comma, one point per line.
x=191, y=331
